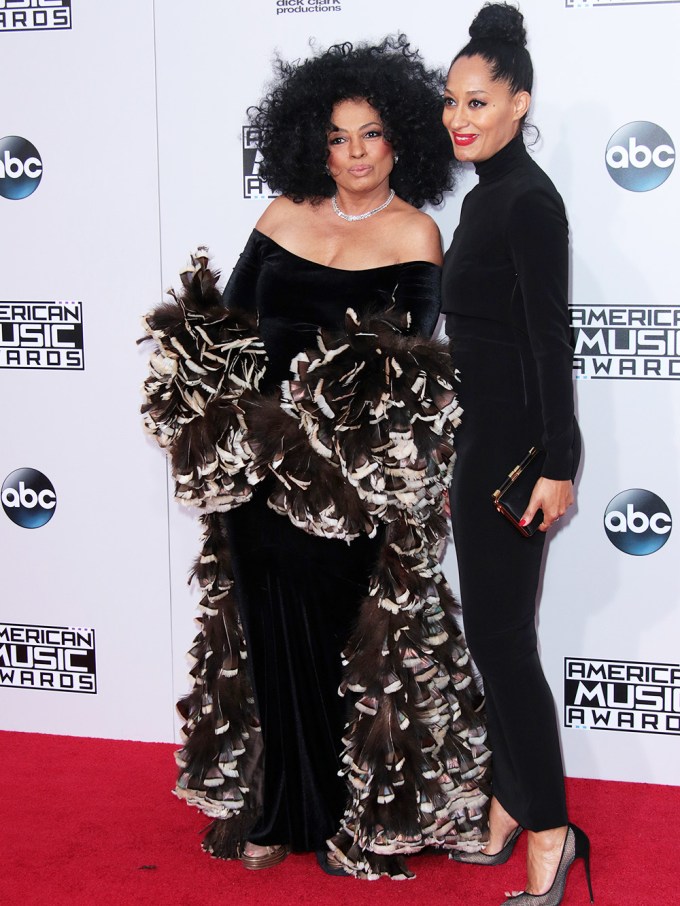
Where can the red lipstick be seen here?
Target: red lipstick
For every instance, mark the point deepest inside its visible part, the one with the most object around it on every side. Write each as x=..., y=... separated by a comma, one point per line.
x=463, y=138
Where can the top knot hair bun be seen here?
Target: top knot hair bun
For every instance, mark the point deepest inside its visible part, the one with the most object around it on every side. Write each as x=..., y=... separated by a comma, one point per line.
x=499, y=22
x=497, y=35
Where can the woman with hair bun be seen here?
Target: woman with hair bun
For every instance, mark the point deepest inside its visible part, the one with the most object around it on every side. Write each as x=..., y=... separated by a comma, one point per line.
x=505, y=285
x=312, y=420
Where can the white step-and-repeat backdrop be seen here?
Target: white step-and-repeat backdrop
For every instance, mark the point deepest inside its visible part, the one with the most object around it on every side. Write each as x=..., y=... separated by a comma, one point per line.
x=124, y=144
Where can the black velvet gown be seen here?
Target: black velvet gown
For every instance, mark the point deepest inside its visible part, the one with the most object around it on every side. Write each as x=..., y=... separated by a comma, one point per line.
x=504, y=290
x=299, y=595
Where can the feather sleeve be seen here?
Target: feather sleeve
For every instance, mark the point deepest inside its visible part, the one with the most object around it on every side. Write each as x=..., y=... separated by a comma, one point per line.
x=207, y=359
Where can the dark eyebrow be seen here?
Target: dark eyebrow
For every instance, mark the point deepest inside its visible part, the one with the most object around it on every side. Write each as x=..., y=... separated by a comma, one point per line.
x=335, y=128
x=474, y=91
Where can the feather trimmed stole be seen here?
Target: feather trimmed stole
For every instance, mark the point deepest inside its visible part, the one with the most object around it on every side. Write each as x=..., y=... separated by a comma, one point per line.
x=375, y=409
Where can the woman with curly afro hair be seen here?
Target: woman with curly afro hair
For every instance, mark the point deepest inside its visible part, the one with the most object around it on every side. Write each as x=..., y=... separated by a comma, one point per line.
x=294, y=119
x=352, y=140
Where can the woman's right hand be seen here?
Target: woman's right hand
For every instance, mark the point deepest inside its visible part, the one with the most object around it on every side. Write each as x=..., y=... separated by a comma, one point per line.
x=552, y=497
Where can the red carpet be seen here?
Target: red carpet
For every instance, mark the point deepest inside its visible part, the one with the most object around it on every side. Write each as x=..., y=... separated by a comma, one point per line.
x=92, y=821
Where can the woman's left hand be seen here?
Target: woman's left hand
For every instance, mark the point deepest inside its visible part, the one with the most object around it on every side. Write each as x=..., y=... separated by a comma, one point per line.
x=553, y=497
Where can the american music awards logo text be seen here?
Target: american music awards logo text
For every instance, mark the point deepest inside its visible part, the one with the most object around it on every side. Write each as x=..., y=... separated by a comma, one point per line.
x=626, y=341
x=629, y=696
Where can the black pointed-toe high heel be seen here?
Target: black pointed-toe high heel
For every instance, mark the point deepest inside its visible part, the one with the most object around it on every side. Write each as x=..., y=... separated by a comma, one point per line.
x=330, y=865
x=576, y=846
x=498, y=858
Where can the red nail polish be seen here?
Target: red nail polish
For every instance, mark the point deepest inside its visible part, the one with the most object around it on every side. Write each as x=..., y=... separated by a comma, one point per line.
x=522, y=522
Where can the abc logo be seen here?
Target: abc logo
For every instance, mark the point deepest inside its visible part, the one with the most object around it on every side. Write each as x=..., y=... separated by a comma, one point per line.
x=638, y=522
x=640, y=156
x=20, y=167
x=28, y=498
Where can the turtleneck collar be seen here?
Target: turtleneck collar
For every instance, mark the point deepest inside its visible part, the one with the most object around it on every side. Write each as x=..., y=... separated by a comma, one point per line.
x=502, y=161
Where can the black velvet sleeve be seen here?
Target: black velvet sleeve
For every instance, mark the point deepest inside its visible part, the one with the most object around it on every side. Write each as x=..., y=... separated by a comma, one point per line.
x=419, y=291
x=240, y=291
x=538, y=235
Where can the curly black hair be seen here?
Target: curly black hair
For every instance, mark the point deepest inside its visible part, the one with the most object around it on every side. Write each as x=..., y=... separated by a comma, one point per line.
x=294, y=119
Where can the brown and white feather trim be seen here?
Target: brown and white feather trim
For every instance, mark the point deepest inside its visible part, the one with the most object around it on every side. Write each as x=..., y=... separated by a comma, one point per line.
x=220, y=762
x=206, y=359
x=361, y=436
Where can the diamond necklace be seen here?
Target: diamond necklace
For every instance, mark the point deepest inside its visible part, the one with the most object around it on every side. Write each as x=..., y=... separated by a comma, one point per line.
x=352, y=217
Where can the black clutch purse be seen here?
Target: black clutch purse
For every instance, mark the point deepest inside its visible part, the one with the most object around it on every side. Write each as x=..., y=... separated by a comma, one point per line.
x=512, y=498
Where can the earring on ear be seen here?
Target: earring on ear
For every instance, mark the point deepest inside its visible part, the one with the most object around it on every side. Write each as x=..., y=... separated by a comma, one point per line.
x=328, y=172
x=396, y=160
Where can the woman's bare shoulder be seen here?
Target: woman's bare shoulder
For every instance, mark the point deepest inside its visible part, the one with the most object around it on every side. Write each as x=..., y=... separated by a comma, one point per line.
x=278, y=213
x=420, y=237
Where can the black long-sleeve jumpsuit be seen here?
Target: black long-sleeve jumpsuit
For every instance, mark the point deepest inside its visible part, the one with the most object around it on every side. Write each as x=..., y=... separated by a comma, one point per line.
x=505, y=286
